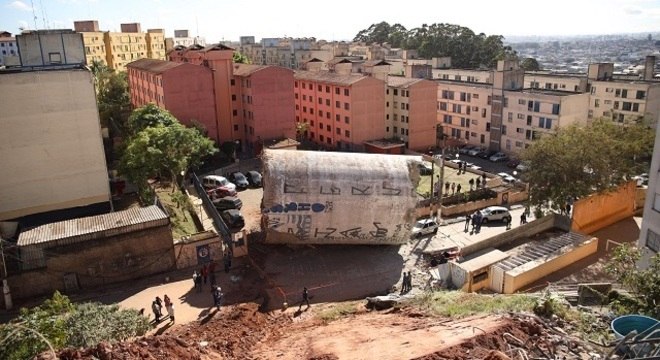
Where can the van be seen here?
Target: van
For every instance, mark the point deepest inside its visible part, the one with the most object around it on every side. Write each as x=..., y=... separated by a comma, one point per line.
x=217, y=181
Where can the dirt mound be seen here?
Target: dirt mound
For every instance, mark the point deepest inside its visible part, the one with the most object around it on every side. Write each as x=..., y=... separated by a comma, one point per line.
x=228, y=334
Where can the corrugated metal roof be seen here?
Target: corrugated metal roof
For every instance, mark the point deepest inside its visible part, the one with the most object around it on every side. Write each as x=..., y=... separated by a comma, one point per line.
x=94, y=227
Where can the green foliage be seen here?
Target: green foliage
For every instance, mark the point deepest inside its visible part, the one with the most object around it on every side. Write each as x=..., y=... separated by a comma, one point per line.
x=461, y=304
x=112, y=94
x=466, y=49
x=577, y=161
x=530, y=64
x=92, y=323
x=550, y=304
x=58, y=323
x=147, y=116
x=162, y=150
x=338, y=311
x=644, y=285
x=239, y=58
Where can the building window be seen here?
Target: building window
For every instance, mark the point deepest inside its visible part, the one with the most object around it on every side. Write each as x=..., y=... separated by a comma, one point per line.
x=234, y=112
x=346, y=119
x=555, y=109
x=303, y=85
x=337, y=91
x=320, y=101
x=319, y=88
x=233, y=98
x=346, y=106
x=329, y=141
x=304, y=97
x=295, y=83
x=233, y=82
x=327, y=89
x=327, y=102
x=337, y=117
x=338, y=131
x=321, y=125
x=337, y=104
x=327, y=127
x=640, y=95
x=346, y=92
x=320, y=113
x=653, y=241
x=235, y=127
x=321, y=137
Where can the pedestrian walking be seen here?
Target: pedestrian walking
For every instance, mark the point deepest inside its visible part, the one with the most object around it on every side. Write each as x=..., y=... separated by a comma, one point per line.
x=305, y=298
x=453, y=188
x=478, y=182
x=197, y=280
x=508, y=222
x=523, y=218
x=409, y=282
x=169, y=307
x=205, y=273
x=467, y=222
x=156, y=310
x=404, y=282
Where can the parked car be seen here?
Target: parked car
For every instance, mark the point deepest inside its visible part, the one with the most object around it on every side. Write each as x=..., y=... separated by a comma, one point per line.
x=497, y=157
x=254, y=178
x=487, y=154
x=424, y=169
x=506, y=177
x=512, y=163
x=220, y=192
x=475, y=151
x=227, y=202
x=495, y=213
x=217, y=181
x=233, y=218
x=425, y=227
x=466, y=149
x=239, y=180
x=522, y=167
x=641, y=179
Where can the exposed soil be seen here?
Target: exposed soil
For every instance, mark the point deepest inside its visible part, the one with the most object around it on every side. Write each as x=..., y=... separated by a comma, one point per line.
x=242, y=332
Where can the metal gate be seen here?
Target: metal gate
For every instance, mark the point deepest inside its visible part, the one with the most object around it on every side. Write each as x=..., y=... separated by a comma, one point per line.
x=497, y=279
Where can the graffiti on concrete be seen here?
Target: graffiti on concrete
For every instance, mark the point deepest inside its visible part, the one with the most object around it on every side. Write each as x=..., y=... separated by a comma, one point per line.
x=381, y=188
x=299, y=206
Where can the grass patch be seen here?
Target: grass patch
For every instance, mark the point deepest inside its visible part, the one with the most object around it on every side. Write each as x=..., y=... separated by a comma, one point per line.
x=338, y=311
x=459, y=304
x=451, y=176
x=182, y=221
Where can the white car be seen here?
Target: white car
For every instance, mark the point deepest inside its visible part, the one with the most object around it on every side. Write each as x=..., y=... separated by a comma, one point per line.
x=424, y=227
x=506, y=177
x=495, y=213
x=499, y=157
x=217, y=181
x=475, y=151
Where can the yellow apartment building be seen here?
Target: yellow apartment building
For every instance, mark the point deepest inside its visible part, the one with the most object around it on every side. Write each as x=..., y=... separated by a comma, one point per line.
x=92, y=40
x=155, y=44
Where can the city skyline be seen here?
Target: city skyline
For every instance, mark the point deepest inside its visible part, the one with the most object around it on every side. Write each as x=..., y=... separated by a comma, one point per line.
x=340, y=21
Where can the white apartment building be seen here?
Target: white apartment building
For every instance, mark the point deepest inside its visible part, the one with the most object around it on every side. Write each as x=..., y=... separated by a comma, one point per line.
x=649, y=235
x=8, y=49
x=464, y=112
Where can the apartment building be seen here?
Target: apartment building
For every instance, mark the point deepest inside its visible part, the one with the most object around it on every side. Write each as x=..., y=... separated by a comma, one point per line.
x=185, y=90
x=342, y=110
x=410, y=111
x=8, y=49
x=622, y=100
x=466, y=75
x=649, y=235
x=561, y=82
x=155, y=39
x=262, y=103
x=93, y=40
x=463, y=112
x=124, y=47
x=183, y=38
x=237, y=102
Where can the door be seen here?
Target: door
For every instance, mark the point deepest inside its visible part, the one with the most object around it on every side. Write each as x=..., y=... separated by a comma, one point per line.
x=497, y=279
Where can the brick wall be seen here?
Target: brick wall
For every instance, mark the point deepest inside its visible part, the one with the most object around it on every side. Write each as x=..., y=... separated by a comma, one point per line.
x=186, y=250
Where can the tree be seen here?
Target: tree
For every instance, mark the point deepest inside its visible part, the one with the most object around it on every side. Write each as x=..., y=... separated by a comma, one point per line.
x=467, y=49
x=530, y=64
x=239, y=58
x=577, y=161
x=149, y=115
x=112, y=95
x=643, y=284
x=163, y=150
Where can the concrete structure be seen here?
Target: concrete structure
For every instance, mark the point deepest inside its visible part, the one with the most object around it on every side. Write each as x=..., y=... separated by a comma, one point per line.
x=93, y=251
x=51, y=47
x=342, y=110
x=597, y=211
x=338, y=198
x=93, y=39
x=474, y=273
x=8, y=50
x=649, y=235
x=51, y=142
x=185, y=90
x=155, y=44
x=411, y=113
x=182, y=38
x=561, y=82
x=464, y=112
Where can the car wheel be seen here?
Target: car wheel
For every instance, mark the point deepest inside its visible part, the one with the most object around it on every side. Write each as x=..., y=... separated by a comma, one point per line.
x=484, y=220
x=435, y=231
x=506, y=219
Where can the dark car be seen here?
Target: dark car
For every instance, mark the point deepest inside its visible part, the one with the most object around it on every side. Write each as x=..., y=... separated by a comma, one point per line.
x=228, y=202
x=254, y=178
x=487, y=154
x=513, y=162
x=233, y=218
x=239, y=180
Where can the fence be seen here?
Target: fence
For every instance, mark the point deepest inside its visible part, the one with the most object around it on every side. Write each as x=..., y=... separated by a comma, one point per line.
x=218, y=223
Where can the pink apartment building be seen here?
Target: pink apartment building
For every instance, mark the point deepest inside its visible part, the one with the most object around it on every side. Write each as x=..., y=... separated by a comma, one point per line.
x=411, y=116
x=185, y=90
x=342, y=110
x=249, y=103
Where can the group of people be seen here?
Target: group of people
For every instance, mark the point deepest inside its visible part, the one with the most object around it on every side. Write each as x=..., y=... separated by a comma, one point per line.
x=203, y=275
x=406, y=285
x=475, y=220
x=157, y=308
x=455, y=188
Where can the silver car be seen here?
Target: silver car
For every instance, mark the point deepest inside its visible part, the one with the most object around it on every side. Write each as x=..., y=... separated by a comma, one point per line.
x=495, y=213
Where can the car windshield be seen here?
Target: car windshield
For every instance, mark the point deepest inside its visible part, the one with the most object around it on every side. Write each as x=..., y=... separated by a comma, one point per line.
x=239, y=176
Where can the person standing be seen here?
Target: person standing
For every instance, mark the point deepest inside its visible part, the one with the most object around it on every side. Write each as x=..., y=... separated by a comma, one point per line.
x=205, y=273
x=217, y=297
x=467, y=223
x=475, y=218
x=305, y=298
x=404, y=283
x=453, y=188
x=508, y=222
x=523, y=218
x=479, y=220
x=169, y=307
x=409, y=282
x=156, y=310
x=478, y=182
x=458, y=188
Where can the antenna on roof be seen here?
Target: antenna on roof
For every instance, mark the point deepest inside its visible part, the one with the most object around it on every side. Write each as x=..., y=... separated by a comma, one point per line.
x=196, y=25
x=34, y=14
x=43, y=14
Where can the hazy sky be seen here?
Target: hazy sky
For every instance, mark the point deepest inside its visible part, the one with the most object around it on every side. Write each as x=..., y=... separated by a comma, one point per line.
x=337, y=19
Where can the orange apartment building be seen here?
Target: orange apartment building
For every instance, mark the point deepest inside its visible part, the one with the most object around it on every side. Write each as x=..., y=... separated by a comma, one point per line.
x=411, y=112
x=342, y=110
x=185, y=90
x=235, y=102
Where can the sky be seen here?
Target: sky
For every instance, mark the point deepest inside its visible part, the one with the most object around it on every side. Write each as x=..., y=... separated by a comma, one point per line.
x=336, y=19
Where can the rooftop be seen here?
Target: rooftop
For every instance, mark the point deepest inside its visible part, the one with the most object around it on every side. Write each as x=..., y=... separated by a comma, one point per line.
x=94, y=227
x=247, y=69
x=329, y=77
x=153, y=65
x=400, y=81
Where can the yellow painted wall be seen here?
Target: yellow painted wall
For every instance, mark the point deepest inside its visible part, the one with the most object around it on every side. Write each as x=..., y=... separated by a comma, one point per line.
x=598, y=211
